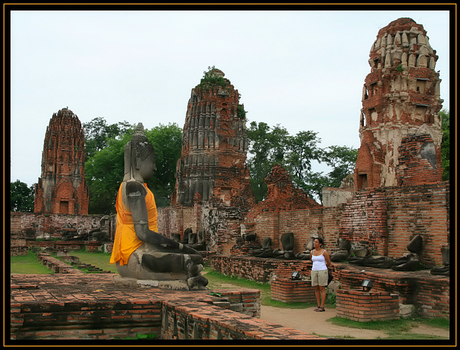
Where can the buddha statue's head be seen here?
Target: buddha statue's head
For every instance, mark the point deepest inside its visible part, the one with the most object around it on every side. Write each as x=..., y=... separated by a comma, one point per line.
x=139, y=156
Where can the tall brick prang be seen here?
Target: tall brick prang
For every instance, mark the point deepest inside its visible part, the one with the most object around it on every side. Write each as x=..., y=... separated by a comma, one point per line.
x=401, y=98
x=212, y=163
x=62, y=188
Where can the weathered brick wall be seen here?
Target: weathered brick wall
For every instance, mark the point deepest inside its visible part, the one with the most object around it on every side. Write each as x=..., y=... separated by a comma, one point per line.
x=258, y=269
x=422, y=210
x=418, y=161
x=364, y=219
x=389, y=217
x=357, y=305
x=25, y=228
x=433, y=297
x=303, y=223
x=51, y=225
x=222, y=224
x=292, y=291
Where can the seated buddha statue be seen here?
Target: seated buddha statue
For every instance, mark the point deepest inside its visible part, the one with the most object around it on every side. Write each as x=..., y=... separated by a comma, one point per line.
x=139, y=250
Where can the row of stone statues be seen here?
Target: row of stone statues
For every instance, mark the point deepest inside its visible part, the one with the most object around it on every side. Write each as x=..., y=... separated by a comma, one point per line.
x=196, y=241
x=357, y=253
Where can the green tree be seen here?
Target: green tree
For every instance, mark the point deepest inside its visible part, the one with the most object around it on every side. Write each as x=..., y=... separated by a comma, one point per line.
x=302, y=150
x=313, y=184
x=104, y=171
x=445, y=145
x=296, y=154
x=342, y=160
x=97, y=132
x=167, y=141
x=22, y=197
x=266, y=147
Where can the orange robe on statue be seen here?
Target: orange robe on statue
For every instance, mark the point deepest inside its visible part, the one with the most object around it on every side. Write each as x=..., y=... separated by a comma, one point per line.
x=126, y=241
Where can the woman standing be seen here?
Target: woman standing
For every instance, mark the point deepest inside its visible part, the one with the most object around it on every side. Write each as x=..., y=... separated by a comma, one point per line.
x=319, y=272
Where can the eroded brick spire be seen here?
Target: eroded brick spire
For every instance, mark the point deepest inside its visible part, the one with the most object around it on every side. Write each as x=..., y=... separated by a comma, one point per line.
x=212, y=163
x=62, y=186
x=401, y=98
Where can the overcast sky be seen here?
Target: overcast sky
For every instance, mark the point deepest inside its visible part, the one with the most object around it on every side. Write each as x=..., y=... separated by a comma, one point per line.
x=303, y=70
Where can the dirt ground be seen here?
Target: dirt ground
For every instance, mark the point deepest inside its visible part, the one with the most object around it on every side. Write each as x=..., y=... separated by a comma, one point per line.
x=310, y=321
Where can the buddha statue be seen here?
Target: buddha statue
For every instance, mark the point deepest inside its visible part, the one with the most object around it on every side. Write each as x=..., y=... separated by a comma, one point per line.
x=445, y=268
x=197, y=240
x=266, y=251
x=287, y=241
x=343, y=252
x=139, y=251
x=410, y=261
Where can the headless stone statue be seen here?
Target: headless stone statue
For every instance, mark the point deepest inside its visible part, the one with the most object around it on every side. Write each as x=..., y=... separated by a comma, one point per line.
x=287, y=241
x=266, y=251
x=139, y=251
x=198, y=240
x=344, y=250
x=445, y=269
x=410, y=261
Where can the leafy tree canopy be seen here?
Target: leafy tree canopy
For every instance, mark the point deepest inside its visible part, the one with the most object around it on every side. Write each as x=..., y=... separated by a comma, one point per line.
x=21, y=197
x=97, y=133
x=445, y=145
x=271, y=145
x=104, y=170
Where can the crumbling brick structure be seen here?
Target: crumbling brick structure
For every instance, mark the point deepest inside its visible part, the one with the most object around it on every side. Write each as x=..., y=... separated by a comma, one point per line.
x=62, y=188
x=282, y=195
x=212, y=163
x=401, y=99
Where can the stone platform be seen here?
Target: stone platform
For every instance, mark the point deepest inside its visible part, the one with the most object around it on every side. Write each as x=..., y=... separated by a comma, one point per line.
x=95, y=307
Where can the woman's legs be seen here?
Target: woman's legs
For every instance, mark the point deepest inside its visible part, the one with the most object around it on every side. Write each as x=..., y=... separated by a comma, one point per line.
x=318, y=295
x=322, y=291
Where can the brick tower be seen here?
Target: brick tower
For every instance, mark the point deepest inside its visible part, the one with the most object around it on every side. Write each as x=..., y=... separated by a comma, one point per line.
x=62, y=188
x=212, y=163
x=400, y=129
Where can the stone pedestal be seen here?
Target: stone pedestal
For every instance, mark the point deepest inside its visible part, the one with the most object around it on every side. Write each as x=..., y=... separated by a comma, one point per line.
x=290, y=291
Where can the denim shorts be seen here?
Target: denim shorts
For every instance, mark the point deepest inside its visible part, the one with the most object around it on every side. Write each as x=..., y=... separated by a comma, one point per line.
x=319, y=277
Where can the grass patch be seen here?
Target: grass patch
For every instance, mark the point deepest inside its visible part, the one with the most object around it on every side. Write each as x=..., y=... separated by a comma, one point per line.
x=396, y=329
x=28, y=264
x=398, y=325
x=98, y=259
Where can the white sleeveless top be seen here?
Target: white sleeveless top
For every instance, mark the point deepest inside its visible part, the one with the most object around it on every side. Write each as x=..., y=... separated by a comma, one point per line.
x=319, y=262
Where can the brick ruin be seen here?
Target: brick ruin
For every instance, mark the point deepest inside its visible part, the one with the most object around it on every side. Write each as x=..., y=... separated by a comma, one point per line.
x=399, y=158
x=398, y=191
x=400, y=129
x=212, y=163
x=398, y=165
x=62, y=188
